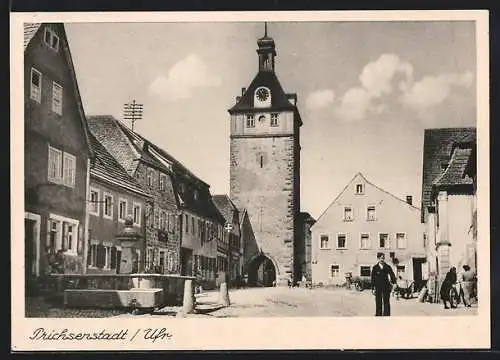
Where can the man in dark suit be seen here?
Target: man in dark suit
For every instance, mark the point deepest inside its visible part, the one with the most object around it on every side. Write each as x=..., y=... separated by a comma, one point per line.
x=383, y=281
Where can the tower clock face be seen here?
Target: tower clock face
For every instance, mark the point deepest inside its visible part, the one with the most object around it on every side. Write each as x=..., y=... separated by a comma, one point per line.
x=262, y=94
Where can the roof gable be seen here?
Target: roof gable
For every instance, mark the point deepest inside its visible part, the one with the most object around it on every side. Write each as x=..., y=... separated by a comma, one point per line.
x=30, y=32
x=225, y=206
x=359, y=177
x=438, y=146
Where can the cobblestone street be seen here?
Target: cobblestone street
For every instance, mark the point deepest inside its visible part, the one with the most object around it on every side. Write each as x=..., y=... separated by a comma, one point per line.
x=285, y=302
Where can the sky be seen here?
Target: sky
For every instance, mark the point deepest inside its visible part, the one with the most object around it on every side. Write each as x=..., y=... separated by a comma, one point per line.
x=366, y=92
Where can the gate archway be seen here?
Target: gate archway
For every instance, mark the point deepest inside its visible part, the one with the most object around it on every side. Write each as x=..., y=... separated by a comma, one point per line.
x=261, y=271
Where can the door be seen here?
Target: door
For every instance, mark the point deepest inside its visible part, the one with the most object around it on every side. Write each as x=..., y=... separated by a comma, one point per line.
x=417, y=272
x=29, y=250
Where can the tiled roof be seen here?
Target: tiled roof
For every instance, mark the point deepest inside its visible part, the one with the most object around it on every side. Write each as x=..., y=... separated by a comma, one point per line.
x=279, y=99
x=225, y=206
x=306, y=217
x=455, y=172
x=438, y=145
x=108, y=168
x=117, y=133
x=30, y=30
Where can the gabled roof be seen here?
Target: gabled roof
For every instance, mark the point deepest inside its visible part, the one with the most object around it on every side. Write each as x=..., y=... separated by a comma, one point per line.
x=279, y=99
x=225, y=206
x=108, y=169
x=438, y=145
x=455, y=172
x=30, y=29
x=357, y=176
x=191, y=193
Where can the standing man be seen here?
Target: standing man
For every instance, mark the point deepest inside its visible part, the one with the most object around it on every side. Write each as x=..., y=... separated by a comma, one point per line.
x=383, y=280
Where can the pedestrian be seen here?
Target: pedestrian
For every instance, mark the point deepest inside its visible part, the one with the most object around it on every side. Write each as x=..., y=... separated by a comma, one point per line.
x=467, y=279
x=383, y=282
x=448, y=282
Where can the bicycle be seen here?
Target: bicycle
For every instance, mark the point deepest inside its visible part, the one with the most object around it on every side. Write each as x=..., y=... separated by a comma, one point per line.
x=454, y=296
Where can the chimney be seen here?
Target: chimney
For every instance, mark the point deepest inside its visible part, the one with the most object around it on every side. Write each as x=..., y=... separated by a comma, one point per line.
x=243, y=91
x=409, y=199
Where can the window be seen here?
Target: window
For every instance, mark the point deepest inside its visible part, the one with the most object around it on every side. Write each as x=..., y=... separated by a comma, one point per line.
x=69, y=168
x=162, y=260
x=383, y=241
x=122, y=209
x=370, y=213
x=348, y=216
x=341, y=241
x=149, y=257
x=192, y=225
x=156, y=219
x=57, y=98
x=149, y=177
x=401, y=240
x=365, y=241
x=334, y=271
x=274, y=119
x=61, y=167
x=400, y=270
x=137, y=214
x=51, y=39
x=36, y=85
x=94, y=202
x=63, y=233
x=162, y=219
x=196, y=195
x=55, y=162
x=324, y=242
x=250, y=121
x=108, y=206
x=365, y=270
x=261, y=161
x=359, y=189
x=162, y=182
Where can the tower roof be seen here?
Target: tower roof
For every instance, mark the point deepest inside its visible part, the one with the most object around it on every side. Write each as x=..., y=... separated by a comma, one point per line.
x=279, y=99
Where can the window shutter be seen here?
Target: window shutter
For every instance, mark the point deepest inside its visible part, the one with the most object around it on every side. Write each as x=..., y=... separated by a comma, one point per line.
x=118, y=261
x=113, y=257
x=89, y=256
x=101, y=256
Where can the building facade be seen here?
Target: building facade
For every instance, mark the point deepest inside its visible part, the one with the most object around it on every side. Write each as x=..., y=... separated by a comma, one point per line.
x=362, y=221
x=449, y=201
x=230, y=249
x=160, y=216
x=182, y=223
x=264, y=167
x=114, y=195
x=57, y=154
x=304, y=247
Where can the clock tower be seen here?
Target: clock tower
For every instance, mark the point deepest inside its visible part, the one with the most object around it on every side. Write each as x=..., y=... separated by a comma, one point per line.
x=265, y=170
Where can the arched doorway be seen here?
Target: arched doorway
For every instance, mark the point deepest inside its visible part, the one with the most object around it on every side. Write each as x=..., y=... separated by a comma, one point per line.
x=261, y=271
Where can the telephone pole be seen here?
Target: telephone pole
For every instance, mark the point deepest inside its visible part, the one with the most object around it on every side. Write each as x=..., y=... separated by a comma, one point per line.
x=132, y=112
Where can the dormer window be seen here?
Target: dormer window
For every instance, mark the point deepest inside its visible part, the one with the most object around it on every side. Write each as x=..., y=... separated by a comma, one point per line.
x=196, y=195
x=51, y=39
x=360, y=189
x=182, y=188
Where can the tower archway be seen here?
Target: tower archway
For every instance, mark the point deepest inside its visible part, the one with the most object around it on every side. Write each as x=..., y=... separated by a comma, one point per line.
x=261, y=271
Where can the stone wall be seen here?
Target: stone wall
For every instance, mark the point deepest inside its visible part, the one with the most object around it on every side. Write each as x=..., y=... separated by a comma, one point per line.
x=262, y=182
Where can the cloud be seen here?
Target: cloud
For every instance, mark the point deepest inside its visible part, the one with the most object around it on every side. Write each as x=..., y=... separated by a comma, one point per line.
x=376, y=77
x=434, y=90
x=320, y=99
x=376, y=80
x=184, y=78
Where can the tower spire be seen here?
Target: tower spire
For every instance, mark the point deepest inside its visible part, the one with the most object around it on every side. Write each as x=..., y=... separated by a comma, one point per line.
x=266, y=51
